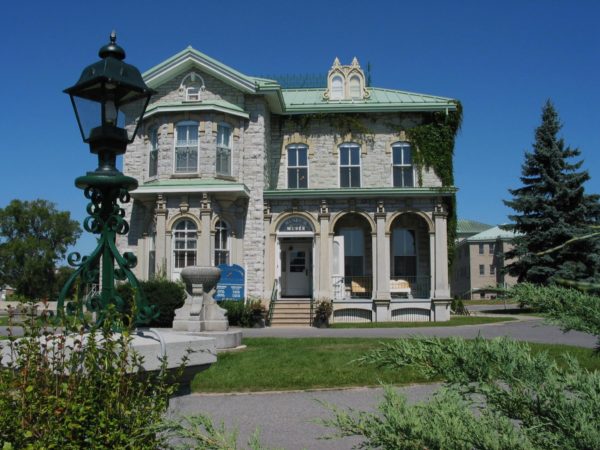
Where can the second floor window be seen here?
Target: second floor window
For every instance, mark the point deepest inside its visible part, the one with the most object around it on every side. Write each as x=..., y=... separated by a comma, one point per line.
x=403, y=174
x=153, y=155
x=186, y=147
x=297, y=167
x=350, y=165
x=221, y=243
x=223, y=150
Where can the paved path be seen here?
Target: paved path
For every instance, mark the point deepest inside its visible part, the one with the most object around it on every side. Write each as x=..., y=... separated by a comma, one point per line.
x=528, y=329
x=286, y=419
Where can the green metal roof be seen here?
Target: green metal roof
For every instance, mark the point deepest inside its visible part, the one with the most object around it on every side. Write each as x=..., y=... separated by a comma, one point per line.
x=359, y=193
x=206, y=105
x=380, y=100
x=464, y=226
x=492, y=234
x=185, y=185
x=294, y=101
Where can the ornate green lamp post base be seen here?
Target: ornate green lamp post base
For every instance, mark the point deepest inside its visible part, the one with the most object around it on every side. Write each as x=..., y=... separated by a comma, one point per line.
x=107, y=219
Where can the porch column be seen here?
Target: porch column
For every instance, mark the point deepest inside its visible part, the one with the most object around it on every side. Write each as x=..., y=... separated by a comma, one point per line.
x=432, y=264
x=269, y=251
x=442, y=290
x=382, y=266
x=143, y=258
x=324, y=246
x=160, y=260
x=204, y=252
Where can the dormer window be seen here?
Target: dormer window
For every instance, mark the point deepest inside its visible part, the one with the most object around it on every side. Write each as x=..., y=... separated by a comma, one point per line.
x=191, y=87
x=337, y=88
x=346, y=82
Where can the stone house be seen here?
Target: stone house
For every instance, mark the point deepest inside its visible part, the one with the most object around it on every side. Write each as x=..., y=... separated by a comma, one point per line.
x=479, y=263
x=314, y=191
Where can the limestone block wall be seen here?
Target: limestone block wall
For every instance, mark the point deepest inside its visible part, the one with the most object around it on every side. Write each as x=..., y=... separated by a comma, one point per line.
x=323, y=140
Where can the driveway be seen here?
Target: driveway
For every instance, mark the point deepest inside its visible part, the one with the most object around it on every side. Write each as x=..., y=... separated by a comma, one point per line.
x=527, y=329
x=286, y=419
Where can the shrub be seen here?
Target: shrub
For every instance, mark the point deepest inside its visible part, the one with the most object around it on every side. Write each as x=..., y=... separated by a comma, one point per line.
x=237, y=312
x=323, y=311
x=79, y=391
x=458, y=307
x=165, y=295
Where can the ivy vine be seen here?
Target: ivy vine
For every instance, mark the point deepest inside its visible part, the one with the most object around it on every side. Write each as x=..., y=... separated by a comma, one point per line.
x=433, y=144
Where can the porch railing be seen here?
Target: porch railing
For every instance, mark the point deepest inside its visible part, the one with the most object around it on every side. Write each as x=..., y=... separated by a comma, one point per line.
x=352, y=287
x=274, y=295
x=410, y=287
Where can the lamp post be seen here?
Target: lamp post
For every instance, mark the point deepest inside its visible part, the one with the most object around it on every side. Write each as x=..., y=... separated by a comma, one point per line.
x=109, y=100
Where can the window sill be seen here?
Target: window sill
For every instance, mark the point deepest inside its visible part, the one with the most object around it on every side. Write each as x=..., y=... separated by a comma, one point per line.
x=185, y=175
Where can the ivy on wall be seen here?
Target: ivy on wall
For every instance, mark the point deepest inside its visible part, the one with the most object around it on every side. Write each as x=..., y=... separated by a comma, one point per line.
x=341, y=124
x=433, y=144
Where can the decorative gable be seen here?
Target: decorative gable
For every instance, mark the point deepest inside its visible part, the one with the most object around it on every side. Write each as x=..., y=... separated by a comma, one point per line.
x=346, y=82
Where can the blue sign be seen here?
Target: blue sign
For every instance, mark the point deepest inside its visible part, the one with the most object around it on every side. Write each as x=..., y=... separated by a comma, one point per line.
x=231, y=284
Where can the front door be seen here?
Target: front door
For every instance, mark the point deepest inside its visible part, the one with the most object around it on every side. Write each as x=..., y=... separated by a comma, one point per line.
x=297, y=271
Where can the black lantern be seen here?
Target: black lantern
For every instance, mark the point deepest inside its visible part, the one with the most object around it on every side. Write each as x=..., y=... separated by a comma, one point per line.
x=109, y=100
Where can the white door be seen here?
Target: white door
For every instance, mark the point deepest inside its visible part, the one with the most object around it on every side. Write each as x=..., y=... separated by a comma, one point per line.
x=298, y=271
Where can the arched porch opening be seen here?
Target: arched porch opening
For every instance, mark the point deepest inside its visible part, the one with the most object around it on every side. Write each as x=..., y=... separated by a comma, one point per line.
x=410, y=265
x=352, y=274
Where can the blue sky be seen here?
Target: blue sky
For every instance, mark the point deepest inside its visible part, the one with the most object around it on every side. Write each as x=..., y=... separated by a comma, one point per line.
x=502, y=59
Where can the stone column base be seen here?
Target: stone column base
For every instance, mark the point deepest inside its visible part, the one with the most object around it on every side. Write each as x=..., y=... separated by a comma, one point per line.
x=382, y=310
x=441, y=309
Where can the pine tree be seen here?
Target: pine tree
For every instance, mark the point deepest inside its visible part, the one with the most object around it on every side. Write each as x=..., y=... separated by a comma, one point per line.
x=552, y=208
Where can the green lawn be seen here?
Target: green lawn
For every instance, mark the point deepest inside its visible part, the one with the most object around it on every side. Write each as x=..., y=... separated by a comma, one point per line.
x=3, y=320
x=454, y=321
x=286, y=364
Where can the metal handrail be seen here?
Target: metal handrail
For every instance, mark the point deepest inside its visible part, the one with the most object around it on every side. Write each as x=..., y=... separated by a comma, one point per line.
x=311, y=319
x=273, y=301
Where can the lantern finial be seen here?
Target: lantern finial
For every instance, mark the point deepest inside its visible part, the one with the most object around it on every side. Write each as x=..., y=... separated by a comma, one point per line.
x=111, y=49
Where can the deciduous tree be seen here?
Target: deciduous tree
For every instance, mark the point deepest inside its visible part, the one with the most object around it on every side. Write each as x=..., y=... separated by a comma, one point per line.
x=34, y=236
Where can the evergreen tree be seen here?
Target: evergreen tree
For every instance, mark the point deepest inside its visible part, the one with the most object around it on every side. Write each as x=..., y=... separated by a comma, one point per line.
x=552, y=208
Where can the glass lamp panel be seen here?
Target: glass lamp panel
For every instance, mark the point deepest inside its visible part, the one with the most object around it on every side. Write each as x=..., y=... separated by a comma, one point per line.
x=130, y=114
x=89, y=115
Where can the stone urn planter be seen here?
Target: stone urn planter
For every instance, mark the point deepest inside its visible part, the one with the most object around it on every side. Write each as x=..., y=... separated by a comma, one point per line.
x=200, y=311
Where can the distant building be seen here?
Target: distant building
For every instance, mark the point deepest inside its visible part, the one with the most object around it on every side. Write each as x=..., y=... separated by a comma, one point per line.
x=479, y=261
x=467, y=228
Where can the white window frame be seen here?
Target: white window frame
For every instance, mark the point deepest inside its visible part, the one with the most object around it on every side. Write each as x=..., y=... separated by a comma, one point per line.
x=337, y=94
x=183, y=234
x=297, y=167
x=221, y=226
x=192, y=94
x=153, y=152
x=481, y=269
x=350, y=145
x=402, y=165
x=224, y=149
x=190, y=144
x=358, y=95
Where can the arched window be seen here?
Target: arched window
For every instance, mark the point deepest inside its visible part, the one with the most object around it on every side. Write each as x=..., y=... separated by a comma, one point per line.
x=402, y=165
x=221, y=243
x=186, y=147
x=185, y=239
x=349, y=165
x=223, y=149
x=191, y=87
x=297, y=166
x=337, y=88
x=355, y=87
x=153, y=154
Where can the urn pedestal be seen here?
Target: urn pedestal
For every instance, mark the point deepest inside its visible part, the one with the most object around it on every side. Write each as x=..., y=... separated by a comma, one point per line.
x=200, y=311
